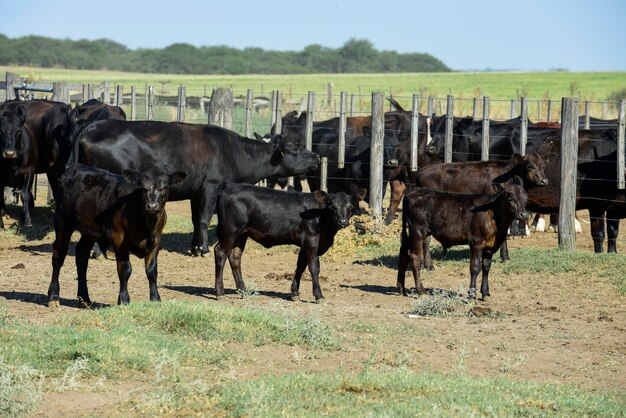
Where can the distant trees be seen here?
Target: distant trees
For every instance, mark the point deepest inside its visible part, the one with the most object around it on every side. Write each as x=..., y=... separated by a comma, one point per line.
x=355, y=56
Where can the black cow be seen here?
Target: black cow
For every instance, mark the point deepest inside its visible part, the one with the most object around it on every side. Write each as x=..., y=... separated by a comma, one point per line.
x=479, y=220
x=126, y=212
x=18, y=161
x=272, y=217
x=478, y=177
x=208, y=154
x=50, y=125
x=355, y=175
x=94, y=109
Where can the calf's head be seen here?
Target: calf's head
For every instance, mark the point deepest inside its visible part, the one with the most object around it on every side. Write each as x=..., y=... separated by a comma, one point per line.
x=154, y=185
x=514, y=196
x=291, y=159
x=11, y=131
x=339, y=207
x=532, y=168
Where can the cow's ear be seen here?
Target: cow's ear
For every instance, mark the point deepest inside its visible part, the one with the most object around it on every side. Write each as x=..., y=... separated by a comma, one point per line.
x=517, y=158
x=367, y=131
x=517, y=180
x=360, y=194
x=132, y=177
x=322, y=197
x=257, y=136
x=176, y=177
x=21, y=113
x=301, y=119
x=497, y=188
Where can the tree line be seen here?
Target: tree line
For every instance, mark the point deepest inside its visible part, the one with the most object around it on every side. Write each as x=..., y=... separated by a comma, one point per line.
x=354, y=56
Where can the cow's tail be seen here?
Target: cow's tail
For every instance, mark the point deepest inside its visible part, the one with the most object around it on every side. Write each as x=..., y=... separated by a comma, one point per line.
x=404, y=238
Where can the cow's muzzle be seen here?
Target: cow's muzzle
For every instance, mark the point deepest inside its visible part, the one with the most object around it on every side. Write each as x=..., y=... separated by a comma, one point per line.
x=9, y=154
x=343, y=223
x=392, y=163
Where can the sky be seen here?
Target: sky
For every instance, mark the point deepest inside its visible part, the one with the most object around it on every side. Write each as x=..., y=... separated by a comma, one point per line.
x=529, y=35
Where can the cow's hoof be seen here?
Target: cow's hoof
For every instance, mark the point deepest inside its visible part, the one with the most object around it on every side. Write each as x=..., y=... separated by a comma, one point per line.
x=295, y=297
x=53, y=304
x=84, y=304
x=487, y=299
x=320, y=301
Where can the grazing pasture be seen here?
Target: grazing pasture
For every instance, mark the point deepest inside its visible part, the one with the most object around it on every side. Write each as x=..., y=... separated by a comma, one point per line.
x=551, y=341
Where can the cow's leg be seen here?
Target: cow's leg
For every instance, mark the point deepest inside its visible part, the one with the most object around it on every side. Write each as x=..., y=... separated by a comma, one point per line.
x=554, y=222
x=124, y=270
x=202, y=210
x=486, y=266
x=403, y=262
x=475, y=267
x=397, y=189
x=416, y=257
x=504, y=251
x=612, y=230
x=314, y=268
x=27, y=199
x=234, y=258
x=426, y=255
x=152, y=273
x=295, y=283
x=2, y=207
x=540, y=222
x=59, y=252
x=83, y=248
x=597, y=229
x=220, y=260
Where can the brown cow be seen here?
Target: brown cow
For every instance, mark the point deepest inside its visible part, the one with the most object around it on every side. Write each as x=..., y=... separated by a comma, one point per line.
x=479, y=220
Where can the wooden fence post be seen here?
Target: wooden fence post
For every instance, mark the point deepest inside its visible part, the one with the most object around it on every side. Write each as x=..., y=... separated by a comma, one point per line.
x=323, y=174
x=220, y=108
x=278, y=120
x=133, y=103
x=376, y=154
x=549, y=116
x=273, y=110
x=330, y=95
x=523, y=126
x=106, y=98
x=586, y=114
x=150, y=103
x=538, y=110
x=181, y=104
x=621, y=121
x=431, y=105
x=60, y=92
x=414, y=131
x=12, y=82
x=248, y=126
x=512, y=108
x=352, y=105
x=341, y=142
x=484, y=150
x=89, y=91
x=119, y=95
x=308, y=128
x=449, y=128
x=85, y=93
x=569, y=163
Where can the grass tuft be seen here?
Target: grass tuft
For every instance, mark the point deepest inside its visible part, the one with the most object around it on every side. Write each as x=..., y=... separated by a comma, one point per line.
x=20, y=389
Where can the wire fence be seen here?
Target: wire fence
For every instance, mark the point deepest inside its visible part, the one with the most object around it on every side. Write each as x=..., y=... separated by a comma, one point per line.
x=262, y=111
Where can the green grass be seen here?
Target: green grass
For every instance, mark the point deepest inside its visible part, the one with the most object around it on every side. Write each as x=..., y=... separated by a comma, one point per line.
x=371, y=393
x=611, y=267
x=121, y=339
x=501, y=87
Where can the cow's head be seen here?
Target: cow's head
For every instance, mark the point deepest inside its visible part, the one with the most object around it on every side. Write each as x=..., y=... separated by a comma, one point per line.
x=514, y=196
x=154, y=185
x=338, y=207
x=291, y=159
x=531, y=168
x=11, y=131
x=390, y=145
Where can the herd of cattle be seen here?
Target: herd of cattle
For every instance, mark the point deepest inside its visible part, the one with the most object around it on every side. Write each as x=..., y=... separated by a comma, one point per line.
x=111, y=179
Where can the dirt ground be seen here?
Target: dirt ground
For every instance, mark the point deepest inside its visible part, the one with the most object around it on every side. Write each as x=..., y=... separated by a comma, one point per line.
x=559, y=329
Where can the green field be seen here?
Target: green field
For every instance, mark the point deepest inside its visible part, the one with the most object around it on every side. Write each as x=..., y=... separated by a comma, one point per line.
x=537, y=86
